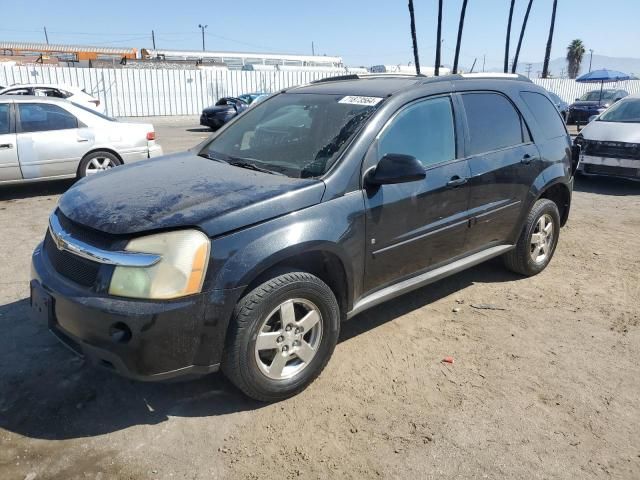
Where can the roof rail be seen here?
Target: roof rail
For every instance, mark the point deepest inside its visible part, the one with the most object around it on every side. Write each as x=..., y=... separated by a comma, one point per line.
x=359, y=76
x=496, y=76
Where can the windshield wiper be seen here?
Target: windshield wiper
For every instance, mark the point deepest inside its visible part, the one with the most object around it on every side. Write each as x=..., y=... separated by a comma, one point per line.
x=252, y=166
x=208, y=156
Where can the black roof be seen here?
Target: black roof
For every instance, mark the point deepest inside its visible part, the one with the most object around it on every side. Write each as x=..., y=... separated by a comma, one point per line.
x=383, y=85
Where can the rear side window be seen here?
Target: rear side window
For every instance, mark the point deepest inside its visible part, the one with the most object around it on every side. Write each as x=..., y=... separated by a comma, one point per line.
x=18, y=91
x=41, y=117
x=424, y=130
x=5, y=119
x=493, y=122
x=546, y=115
x=50, y=92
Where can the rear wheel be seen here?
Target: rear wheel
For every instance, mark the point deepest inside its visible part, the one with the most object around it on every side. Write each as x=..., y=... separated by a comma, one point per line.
x=97, y=162
x=281, y=337
x=537, y=242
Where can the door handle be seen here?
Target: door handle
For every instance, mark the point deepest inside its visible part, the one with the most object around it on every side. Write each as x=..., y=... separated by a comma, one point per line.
x=527, y=159
x=456, y=181
x=80, y=140
x=6, y=145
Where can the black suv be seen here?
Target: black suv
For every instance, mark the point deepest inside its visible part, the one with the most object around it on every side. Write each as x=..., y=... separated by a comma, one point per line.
x=247, y=252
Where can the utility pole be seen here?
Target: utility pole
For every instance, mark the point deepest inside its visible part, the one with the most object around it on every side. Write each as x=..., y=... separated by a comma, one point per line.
x=439, y=40
x=153, y=39
x=313, y=48
x=590, y=58
x=202, y=27
x=414, y=38
x=484, y=60
x=529, y=66
x=46, y=36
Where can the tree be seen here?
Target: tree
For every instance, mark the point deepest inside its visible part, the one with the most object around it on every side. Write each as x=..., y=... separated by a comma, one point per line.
x=506, y=45
x=547, y=54
x=414, y=38
x=575, y=52
x=524, y=27
x=460, y=27
x=439, y=40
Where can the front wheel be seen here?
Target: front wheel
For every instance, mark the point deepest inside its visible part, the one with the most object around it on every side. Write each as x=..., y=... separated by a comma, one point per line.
x=281, y=337
x=537, y=242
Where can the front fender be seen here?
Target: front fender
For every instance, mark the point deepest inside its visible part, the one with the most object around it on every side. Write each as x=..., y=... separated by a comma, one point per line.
x=335, y=226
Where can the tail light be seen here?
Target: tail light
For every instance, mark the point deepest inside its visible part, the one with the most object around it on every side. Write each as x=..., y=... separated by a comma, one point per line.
x=95, y=102
x=151, y=136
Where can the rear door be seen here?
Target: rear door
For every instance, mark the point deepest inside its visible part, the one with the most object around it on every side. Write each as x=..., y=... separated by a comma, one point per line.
x=414, y=226
x=504, y=163
x=49, y=140
x=9, y=165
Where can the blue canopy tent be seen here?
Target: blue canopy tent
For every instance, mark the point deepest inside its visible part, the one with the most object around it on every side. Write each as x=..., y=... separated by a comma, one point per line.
x=602, y=76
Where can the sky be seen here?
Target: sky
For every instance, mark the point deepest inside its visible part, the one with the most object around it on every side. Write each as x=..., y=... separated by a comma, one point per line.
x=363, y=32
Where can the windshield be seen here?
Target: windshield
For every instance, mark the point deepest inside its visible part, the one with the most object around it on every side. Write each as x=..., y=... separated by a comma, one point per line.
x=594, y=95
x=300, y=135
x=95, y=112
x=625, y=111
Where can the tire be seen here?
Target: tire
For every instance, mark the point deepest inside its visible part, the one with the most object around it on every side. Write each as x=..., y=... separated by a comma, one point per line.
x=95, y=162
x=271, y=374
x=524, y=258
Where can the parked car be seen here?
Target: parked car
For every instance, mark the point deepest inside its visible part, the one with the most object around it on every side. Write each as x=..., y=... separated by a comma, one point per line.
x=593, y=103
x=45, y=138
x=227, y=108
x=561, y=105
x=73, y=94
x=610, y=143
x=247, y=252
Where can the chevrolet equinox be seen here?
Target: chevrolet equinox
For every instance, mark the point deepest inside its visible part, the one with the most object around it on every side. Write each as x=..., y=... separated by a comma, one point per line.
x=247, y=252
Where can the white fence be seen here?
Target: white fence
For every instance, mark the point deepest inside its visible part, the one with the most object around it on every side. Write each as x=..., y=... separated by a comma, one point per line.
x=133, y=93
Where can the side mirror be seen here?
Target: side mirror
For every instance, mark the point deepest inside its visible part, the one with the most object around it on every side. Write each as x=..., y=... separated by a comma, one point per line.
x=592, y=118
x=395, y=168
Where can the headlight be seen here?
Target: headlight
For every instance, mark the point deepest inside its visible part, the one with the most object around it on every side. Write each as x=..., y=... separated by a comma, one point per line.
x=180, y=271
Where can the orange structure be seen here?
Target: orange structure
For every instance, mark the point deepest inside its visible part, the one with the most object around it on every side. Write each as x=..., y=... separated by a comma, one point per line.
x=76, y=52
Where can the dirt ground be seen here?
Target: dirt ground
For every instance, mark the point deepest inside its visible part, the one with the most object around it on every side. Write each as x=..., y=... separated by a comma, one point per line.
x=545, y=385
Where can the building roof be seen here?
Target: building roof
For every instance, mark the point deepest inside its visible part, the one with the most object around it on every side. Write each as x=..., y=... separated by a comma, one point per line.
x=61, y=48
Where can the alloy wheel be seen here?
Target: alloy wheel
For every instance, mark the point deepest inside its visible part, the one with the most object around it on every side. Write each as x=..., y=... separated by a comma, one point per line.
x=542, y=239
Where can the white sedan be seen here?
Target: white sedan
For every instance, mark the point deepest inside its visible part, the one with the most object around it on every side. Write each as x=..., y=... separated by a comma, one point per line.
x=44, y=138
x=73, y=94
x=611, y=141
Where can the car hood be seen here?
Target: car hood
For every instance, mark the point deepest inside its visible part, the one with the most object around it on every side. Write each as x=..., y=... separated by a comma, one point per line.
x=612, y=132
x=219, y=109
x=184, y=190
x=590, y=103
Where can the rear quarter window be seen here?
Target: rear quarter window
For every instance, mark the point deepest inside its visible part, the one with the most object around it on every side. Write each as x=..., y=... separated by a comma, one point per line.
x=546, y=115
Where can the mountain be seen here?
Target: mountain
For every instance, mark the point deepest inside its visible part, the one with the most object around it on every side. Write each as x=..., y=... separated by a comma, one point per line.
x=558, y=66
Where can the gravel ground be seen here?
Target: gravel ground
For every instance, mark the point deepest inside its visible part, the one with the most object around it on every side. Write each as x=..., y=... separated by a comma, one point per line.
x=545, y=384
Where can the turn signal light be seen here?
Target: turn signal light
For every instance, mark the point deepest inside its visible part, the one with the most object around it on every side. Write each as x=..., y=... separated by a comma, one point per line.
x=151, y=136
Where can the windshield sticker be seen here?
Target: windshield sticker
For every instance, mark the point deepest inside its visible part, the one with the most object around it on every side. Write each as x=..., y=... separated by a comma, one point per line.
x=357, y=100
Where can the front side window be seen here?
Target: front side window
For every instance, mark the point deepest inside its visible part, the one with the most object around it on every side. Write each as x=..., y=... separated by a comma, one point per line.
x=41, y=117
x=545, y=113
x=5, y=119
x=300, y=135
x=19, y=91
x=493, y=123
x=424, y=130
x=625, y=111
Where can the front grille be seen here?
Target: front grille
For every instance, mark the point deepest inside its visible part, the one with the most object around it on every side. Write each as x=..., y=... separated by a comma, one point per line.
x=612, y=149
x=78, y=270
x=611, y=170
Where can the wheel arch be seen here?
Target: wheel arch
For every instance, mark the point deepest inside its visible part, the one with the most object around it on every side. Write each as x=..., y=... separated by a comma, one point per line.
x=559, y=193
x=96, y=150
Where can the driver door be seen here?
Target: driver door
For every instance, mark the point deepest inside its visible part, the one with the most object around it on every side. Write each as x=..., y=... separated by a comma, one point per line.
x=414, y=226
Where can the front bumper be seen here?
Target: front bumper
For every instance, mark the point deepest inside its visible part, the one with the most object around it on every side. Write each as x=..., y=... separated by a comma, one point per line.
x=608, y=166
x=213, y=121
x=161, y=340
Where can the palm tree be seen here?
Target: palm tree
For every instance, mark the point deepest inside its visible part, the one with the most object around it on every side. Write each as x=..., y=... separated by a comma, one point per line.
x=547, y=54
x=439, y=41
x=524, y=27
x=575, y=52
x=414, y=39
x=460, y=27
x=506, y=46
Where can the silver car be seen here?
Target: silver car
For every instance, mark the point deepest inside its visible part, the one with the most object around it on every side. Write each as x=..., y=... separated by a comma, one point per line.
x=43, y=138
x=611, y=141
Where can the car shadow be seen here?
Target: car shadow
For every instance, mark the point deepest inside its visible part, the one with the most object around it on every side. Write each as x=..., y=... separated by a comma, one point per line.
x=200, y=130
x=606, y=185
x=48, y=393
x=35, y=189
